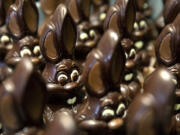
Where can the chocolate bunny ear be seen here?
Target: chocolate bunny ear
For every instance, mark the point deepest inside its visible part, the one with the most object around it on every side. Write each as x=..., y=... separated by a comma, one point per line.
x=4, y=7
x=79, y=9
x=121, y=17
x=171, y=10
x=23, y=97
x=167, y=44
x=49, y=6
x=59, y=36
x=104, y=66
x=22, y=18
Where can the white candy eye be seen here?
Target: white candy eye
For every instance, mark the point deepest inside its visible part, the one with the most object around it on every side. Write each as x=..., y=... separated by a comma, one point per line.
x=25, y=52
x=74, y=75
x=132, y=53
x=143, y=24
x=83, y=36
x=92, y=33
x=102, y=16
x=5, y=39
x=62, y=78
x=136, y=26
x=37, y=50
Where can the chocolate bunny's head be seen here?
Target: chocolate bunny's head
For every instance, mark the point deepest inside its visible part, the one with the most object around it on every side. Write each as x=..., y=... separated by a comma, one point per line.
x=87, y=35
x=22, y=23
x=57, y=42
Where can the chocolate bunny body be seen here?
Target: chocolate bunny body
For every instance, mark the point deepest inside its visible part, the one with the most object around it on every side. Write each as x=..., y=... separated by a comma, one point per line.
x=62, y=74
x=24, y=31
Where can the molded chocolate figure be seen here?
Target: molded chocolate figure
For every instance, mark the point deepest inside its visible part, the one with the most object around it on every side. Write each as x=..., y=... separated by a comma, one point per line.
x=23, y=97
x=24, y=30
x=87, y=35
x=167, y=44
x=104, y=65
x=63, y=75
x=18, y=22
x=151, y=111
x=121, y=17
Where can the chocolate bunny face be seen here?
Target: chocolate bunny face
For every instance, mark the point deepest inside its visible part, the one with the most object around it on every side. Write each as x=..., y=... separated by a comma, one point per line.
x=18, y=21
x=141, y=27
x=121, y=17
x=26, y=47
x=88, y=38
x=62, y=74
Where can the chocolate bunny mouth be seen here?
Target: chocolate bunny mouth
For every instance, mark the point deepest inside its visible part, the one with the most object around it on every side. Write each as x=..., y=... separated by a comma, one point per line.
x=67, y=88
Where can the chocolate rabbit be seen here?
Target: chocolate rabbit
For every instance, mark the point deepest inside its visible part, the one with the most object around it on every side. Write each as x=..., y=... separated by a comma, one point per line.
x=62, y=74
x=24, y=31
x=87, y=35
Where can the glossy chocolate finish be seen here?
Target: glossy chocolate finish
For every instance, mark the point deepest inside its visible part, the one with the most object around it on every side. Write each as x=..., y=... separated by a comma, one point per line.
x=79, y=9
x=59, y=35
x=121, y=17
x=18, y=22
x=104, y=65
x=152, y=110
x=49, y=6
x=30, y=131
x=171, y=10
x=167, y=49
x=63, y=124
x=17, y=108
x=90, y=109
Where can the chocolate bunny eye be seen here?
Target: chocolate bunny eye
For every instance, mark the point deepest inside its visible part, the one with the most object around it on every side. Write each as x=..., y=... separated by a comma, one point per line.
x=84, y=36
x=62, y=78
x=37, y=50
x=25, y=52
x=74, y=75
x=143, y=24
